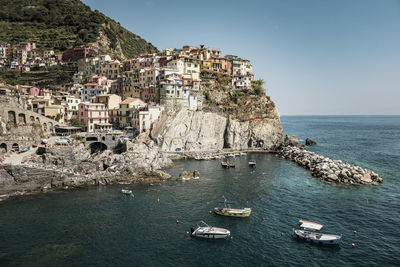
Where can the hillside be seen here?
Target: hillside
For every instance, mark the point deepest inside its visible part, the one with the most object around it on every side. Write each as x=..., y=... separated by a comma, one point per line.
x=60, y=24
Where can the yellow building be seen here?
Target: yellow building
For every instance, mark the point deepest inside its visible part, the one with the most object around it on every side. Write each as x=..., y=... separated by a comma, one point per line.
x=53, y=111
x=130, y=84
x=111, y=70
x=111, y=101
x=192, y=68
x=126, y=109
x=205, y=65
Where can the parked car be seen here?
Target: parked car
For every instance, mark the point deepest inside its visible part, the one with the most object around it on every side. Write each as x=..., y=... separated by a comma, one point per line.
x=25, y=149
x=63, y=141
x=35, y=145
x=45, y=141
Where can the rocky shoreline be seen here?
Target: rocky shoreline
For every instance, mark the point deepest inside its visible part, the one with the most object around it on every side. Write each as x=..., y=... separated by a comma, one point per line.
x=68, y=167
x=332, y=171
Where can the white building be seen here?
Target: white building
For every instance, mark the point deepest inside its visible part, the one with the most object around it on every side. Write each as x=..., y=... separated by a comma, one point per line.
x=90, y=90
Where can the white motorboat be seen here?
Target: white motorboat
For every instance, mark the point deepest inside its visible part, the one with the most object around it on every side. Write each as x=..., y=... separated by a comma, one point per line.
x=205, y=231
x=309, y=234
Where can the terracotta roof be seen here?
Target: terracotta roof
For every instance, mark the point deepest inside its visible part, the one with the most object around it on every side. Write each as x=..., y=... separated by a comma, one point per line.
x=128, y=100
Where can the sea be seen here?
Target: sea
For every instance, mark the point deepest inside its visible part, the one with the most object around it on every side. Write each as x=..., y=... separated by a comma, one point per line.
x=99, y=226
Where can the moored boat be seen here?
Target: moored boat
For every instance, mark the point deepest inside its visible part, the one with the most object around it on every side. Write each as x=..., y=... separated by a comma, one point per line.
x=126, y=191
x=204, y=230
x=227, y=210
x=227, y=165
x=309, y=234
x=252, y=163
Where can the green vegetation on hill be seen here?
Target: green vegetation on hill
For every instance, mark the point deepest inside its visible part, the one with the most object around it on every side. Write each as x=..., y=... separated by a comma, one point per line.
x=60, y=24
x=50, y=76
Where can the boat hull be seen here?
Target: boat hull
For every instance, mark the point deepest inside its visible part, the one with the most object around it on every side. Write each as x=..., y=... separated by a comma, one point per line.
x=233, y=212
x=211, y=233
x=317, y=238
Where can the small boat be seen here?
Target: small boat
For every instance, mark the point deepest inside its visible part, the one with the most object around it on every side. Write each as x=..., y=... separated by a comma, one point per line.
x=126, y=191
x=230, y=155
x=227, y=165
x=243, y=153
x=252, y=163
x=205, y=231
x=228, y=211
x=309, y=234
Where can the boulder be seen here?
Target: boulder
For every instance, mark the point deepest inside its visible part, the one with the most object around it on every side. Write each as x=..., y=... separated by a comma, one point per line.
x=310, y=142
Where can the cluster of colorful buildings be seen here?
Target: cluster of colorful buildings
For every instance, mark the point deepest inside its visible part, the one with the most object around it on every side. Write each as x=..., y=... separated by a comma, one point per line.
x=107, y=94
x=25, y=56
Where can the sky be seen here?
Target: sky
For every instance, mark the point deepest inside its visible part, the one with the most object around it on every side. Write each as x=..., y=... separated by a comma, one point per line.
x=317, y=57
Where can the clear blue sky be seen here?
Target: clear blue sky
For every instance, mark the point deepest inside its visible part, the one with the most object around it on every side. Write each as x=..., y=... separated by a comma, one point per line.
x=316, y=57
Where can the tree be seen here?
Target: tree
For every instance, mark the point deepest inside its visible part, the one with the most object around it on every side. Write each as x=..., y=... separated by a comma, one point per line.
x=74, y=121
x=257, y=86
x=58, y=117
x=83, y=34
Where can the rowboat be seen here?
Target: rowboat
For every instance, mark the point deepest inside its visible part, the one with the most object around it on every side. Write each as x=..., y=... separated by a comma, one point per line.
x=231, y=212
x=309, y=234
x=204, y=230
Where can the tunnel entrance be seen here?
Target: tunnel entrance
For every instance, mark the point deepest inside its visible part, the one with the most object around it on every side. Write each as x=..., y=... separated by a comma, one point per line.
x=97, y=147
x=3, y=148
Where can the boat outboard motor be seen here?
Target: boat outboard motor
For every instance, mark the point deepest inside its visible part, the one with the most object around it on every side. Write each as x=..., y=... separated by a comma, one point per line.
x=191, y=230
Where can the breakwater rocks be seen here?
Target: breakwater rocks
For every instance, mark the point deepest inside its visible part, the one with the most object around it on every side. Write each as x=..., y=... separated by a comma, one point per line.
x=329, y=170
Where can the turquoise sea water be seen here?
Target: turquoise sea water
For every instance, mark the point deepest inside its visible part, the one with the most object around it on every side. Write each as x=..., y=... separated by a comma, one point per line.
x=101, y=227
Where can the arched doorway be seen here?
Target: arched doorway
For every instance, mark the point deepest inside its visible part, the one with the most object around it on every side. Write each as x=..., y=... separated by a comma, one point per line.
x=97, y=147
x=21, y=118
x=11, y=117
x=3, y=148
x=15, y=147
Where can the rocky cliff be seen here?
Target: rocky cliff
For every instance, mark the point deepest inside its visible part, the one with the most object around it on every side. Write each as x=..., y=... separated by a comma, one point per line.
x=190, y=131
x=253, y=124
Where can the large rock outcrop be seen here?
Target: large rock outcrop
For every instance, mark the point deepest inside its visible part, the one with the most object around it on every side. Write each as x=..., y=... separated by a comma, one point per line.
x=190, y=131
x=261, y=133
x=210, y=131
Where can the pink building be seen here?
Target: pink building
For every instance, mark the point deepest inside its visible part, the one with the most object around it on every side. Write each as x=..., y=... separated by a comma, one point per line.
x=94, y=117
x=143, y=118
x=34, y=91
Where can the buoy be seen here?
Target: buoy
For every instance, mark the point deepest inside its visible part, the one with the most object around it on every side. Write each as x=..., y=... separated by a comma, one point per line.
x=187, y=233
x=158, y=199
x=210, y=211
x=263, y=218
x=355, y=232
x=282, y=234
x=231, y=237
x=353, y=245
x=177, y=221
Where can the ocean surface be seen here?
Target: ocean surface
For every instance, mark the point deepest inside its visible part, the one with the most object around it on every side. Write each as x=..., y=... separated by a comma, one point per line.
x=101, y=227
